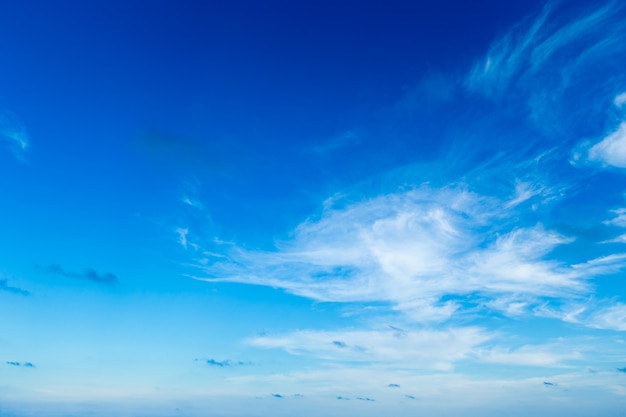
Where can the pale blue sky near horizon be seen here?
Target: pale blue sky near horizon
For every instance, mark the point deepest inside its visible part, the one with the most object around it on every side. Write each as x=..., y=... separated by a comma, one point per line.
x=342, y=208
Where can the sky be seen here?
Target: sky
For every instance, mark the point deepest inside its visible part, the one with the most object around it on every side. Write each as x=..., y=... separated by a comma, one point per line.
x=337, y=208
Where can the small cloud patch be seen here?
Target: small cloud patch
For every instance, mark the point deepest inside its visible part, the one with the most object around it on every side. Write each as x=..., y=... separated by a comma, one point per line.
x=220, y=364
x=23, y=364
x=89, y=274
x=4, y=286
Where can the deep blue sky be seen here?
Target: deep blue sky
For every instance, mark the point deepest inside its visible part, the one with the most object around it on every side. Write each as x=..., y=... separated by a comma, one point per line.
x=358, y=208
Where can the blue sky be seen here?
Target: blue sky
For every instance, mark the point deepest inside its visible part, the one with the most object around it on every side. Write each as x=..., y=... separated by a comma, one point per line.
x=336, y=208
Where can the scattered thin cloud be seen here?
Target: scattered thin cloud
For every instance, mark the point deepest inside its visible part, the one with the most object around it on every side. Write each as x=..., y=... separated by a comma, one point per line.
x=620, y=99
x=599, y=314
x=419, y=349
x=619, y=218
x=22, y=364
x=611, y=318
x=542, y=356
x=552, y=37
x=4, y=286
x=221, y=364
x=182, y=236
x=89, y=274
x=13, y=132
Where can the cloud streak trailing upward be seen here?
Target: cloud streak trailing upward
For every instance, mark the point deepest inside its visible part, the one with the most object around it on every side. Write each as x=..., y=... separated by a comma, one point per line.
x=89, y=274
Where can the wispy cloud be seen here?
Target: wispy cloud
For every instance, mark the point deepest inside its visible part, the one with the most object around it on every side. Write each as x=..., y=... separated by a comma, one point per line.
x=543, y=356
x=13, y=133
x=612, y=149
x=412, y=249
x=89, y=274
x=554, y=37
x=4, y=286
x=544, y=68
x=619, y=218
x=612, y=317
x=182, y=236
x=419, y=349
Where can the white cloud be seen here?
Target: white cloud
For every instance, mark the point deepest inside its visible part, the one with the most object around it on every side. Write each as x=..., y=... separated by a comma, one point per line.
x=182, y=236
x=523, y=192
x=618, y=239
x=612, y=149
x=420, y=349
x=413, y=248
x=619, y=219
x=612, y=318
x=423, y=349
x=548, y=356
x=620, y=100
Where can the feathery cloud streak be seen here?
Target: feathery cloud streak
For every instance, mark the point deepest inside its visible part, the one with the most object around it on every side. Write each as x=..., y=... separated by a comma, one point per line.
x=556, y=37
x=425, y=349
x=411, y=249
